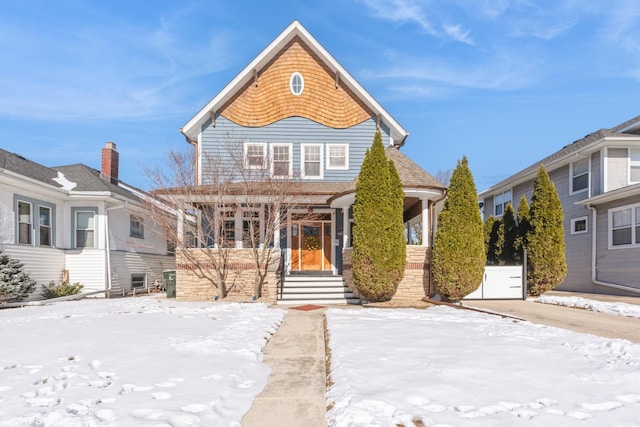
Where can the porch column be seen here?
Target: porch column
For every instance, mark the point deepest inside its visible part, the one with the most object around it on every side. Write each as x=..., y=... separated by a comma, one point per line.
x=346, y=229
x=425, y=222
x=180, y=228
x=276, y=227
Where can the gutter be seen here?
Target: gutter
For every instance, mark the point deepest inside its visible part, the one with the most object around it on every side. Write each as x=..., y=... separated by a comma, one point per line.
x=594, y=268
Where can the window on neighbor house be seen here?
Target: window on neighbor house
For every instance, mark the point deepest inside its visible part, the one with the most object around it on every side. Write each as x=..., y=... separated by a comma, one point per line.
x=25, y=221
x=281, y=161
x=138, y=280
x=634, y=166
x=250, y=228
x=228, y=229
x=500, y=201
x=579, y=225
x=624, y=226
x=311, y=161
x=579, y=176
x=136, y=227
x=45, y=226
x=337, y=156
x=255, y=155
x=85, y=229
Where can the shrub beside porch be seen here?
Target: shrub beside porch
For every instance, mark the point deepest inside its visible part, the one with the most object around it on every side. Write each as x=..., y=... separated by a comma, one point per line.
x=240, y=278
x=414, y=284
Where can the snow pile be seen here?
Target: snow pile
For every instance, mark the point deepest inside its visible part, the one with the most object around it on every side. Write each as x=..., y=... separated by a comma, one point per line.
x=131, y=361
x=619, y=308
x=462, y=368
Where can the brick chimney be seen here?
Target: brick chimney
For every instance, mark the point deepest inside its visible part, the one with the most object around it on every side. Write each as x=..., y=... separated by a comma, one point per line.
x=110, y=156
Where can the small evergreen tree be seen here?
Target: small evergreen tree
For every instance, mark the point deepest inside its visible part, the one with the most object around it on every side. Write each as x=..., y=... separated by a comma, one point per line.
x=510, y=236
x=378, y=231
x=545, y=239
x=15, y=283
x=64, y=289
x=522, y=218
x=458, y=251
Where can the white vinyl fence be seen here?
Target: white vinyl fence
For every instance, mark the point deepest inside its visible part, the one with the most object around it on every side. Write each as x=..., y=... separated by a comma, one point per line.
x=501, y=282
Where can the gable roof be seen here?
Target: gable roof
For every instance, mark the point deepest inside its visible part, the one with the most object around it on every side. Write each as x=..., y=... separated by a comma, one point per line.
x=23, y=166
x=192, y=128
x=561, y=157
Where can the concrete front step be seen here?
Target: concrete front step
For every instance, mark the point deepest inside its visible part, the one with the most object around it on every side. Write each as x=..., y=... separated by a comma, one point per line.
x=326, y=301
x=308, y=289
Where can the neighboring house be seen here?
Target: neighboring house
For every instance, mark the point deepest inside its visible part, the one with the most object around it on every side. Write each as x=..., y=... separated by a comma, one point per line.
x=79, y=223
x=296, y=110
x=598, y=181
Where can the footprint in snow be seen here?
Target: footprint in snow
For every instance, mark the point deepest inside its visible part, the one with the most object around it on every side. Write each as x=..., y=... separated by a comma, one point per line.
x=435, y=408
x=44, y=402
x=105, y=415
x=128, y=388
x=95, y=364
x=554, y=411
x=524, y=414
x=147, y=414
x=161, y=395
x=69, y=368
x=579, y=415
x=105, y=375
x=246, y=384
x=184, y=420
x=194, y=408
x=603, y=406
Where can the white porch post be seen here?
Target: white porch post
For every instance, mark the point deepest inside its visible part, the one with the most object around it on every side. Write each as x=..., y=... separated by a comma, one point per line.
x=180, y=228
x=276, y=227
x=346, y=230
x=238, y=215
x=425, y=222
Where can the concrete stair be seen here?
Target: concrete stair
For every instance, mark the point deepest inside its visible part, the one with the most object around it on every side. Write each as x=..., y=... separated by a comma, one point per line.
x=315, y=289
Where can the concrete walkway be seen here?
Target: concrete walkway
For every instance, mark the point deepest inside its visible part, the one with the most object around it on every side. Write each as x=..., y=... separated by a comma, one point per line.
x=575, y=319
x=295, y=392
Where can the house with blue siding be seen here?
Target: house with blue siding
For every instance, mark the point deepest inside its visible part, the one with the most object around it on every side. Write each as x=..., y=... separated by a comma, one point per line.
x=598, y=181
x=295, y=115
x=78, y=224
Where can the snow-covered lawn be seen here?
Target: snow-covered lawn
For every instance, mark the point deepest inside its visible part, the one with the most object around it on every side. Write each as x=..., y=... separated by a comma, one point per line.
x=134, y=361
x=619, y=308
x=462, y=368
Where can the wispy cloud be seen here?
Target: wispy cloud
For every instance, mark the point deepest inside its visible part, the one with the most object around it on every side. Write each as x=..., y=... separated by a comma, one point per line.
x=104, y=69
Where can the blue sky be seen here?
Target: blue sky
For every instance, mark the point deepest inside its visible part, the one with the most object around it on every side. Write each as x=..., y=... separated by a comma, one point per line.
x=504, y=82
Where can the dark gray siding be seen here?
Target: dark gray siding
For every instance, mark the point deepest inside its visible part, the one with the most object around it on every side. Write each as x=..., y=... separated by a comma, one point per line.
x=227, y=137
x=620, y=265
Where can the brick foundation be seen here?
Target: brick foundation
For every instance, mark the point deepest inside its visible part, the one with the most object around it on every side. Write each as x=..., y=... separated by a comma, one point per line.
x=240, y=279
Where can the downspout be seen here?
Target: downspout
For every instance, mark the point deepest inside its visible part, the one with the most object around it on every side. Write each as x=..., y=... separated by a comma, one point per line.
x=108, y=245
x=433, y=237
x=594, y=274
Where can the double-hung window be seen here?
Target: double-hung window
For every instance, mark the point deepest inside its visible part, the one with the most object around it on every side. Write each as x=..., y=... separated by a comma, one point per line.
x=250, y=228
x=85, y=228
x=624, y=226
x=500, y=202
x=281, y=160
x=25, y=223
x=255, y=155
x=634, y=165
x=337, y=156
x=136, y=227
x=579, y=176
x=311, y=161
x=34, y=222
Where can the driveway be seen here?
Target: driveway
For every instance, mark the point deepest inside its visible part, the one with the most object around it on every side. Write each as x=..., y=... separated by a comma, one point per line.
x=575, y=319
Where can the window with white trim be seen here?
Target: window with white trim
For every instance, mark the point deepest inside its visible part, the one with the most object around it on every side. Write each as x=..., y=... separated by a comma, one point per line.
x=250, y=228
x=579, y=225
x=255, y=155
x=500, y=202
x=281, y=160
x=311, y=161
x=624, y=226
x=634, y=165
x=45, y=225
x=296, y=83
x=579, y=176
x=85, y=228
x=337, y=156
x=138, y=280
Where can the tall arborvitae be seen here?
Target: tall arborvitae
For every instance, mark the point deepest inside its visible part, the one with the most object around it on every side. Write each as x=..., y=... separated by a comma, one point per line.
x=15, y=283
x=510, y=236
x=545, y=240
x=488, y=238
x=378, y=261
x=458, y=251
x=522, y=218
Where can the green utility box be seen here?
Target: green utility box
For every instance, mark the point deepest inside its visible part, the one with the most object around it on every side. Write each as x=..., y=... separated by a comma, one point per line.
x=170, y=283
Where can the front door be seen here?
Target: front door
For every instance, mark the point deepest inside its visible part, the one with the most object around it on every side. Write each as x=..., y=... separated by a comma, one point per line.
x=311, y=246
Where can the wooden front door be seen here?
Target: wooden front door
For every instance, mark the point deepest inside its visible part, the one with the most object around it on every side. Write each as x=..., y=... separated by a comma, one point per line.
x=310, y=246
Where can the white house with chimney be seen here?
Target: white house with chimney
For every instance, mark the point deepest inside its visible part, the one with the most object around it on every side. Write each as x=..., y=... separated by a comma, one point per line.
x=79, y=224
